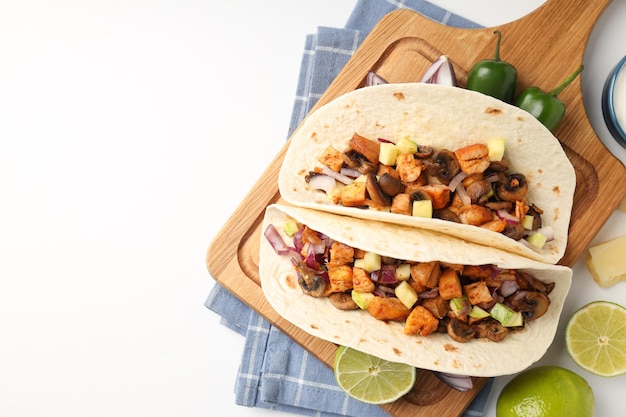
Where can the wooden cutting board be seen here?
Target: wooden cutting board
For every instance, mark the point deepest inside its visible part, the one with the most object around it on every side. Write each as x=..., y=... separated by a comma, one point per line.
x=545, y=46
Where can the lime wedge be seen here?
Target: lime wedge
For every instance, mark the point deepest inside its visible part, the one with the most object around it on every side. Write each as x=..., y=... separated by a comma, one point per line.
x=371, y=379
x=595, y=337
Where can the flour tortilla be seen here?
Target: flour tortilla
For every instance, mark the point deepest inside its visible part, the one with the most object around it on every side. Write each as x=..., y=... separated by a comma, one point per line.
x=440, y=117
x=358, y=329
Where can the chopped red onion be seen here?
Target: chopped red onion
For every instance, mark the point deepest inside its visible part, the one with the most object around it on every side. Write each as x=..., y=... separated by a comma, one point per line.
x=429, y=293
x=462, y=193
x=322, y=182
x=350, y=172
x=388, y=275
x=374, y=79
x=440, y=72
x=456, y=180
x=506, y=216
x=383, y=291
x=458, y=382
x=508, y=287
x=336, y=175
x=275, y=240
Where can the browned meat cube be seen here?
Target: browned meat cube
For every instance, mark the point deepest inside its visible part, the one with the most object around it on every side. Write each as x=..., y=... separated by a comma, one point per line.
x=340, y=279
x=332, y=158
x=439, y=194
x=449, y=285
x=370, y=149
x=401, y=204
x=354, y=195
x=437, y=306
x=361, y=281
x=478, y=292
x=420, y=321
x=341, y=254
x=388, y=309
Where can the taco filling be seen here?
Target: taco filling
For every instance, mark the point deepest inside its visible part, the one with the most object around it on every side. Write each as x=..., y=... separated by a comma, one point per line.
x=471, y=185
x=463, y=301
x=436, y=158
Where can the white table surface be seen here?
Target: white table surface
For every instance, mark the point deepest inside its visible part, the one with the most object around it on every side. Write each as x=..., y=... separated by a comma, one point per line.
x=119, y=124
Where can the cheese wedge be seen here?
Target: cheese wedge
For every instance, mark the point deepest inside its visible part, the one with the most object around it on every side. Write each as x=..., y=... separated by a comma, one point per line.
x=605, y=262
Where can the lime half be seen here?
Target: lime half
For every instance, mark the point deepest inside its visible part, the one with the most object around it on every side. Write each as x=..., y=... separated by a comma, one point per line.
x=371, y=379
x=595, y=337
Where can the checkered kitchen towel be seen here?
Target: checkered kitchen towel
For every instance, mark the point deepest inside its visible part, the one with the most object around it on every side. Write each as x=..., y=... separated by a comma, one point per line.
x=275, y=372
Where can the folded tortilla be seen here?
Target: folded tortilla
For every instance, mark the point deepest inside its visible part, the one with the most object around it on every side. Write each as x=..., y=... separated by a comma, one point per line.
x=358, y=329
x=440, y=117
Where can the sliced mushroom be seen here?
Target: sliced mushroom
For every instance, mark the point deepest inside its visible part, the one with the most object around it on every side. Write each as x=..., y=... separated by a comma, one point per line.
x=532, y=304
x=374, y=191
x=514, y=189
x=500, y=205
x=419, y=195
x=536, y=213
x=423, y=152
x=513, y=231
x=490, y=329
x=357, y=161
x=343, y=301
x=499, y=166
x=460, y=331
x=478, y=189
x=446, y=214
x=390, y=185
x=443, y=165
x=311, y=282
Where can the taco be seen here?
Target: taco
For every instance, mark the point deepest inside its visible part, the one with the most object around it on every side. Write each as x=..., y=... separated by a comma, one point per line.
x=435, y=157
x=502, y=334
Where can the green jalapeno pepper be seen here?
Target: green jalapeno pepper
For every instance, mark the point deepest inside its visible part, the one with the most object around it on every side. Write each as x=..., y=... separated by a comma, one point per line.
x=546, y=107
x=494, y=77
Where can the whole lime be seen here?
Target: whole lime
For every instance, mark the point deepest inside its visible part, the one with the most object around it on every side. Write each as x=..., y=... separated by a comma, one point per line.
x=546, y=391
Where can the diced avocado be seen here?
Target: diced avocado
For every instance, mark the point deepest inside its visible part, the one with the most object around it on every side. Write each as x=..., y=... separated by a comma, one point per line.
x=359, y=263
x=506, y=316
x=496, y=149
x=362, y=299
x=372, y=262
x=527, y=223
x=537, y=239
x=406, y=146
x=423, y=208
x=478, y=313
x=290, y=227
x=388, y=153
x=403, y=272
x=406, y=294
x=460, y=305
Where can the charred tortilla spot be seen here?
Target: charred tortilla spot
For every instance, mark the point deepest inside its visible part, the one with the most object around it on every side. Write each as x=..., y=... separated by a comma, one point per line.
x=399, y=96
x=397, y=351
x=291, y=282
x=456, y=363
x=361, y=340
x=556, y=190
x=520, y=118
x=450, y=348
x=314, y=136
x=314, y=326
x=491, y=110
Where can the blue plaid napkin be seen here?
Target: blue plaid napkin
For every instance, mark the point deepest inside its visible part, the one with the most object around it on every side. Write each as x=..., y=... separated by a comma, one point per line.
x=275, y=372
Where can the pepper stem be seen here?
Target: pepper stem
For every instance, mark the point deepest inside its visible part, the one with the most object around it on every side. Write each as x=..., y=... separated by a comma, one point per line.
x=559, y=88
x=496, y=57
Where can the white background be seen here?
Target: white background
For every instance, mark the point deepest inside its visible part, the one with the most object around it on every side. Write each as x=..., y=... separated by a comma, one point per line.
x=129, y=132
